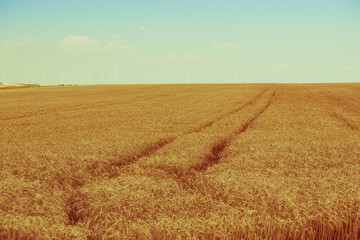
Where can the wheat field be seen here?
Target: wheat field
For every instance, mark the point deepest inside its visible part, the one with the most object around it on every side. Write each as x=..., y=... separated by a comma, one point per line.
x=251, y=161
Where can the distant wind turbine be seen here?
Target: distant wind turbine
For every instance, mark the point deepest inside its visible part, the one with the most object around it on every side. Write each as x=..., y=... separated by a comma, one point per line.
x=115, y=73
x=236, y=74
x=26, y=78
x=61, y=78
x=44, y=79
x=188, y=77
x=69, y=79
x=88, y=77
x=101, y=76
x=247, y=75
x=111, y=79
x=5, y=78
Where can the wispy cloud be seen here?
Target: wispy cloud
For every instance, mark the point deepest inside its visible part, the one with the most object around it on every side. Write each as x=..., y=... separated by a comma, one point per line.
x=165, y=58
x=280, y=66
x=192, y=57
x=7, y=46
x=85, y=43
x=78, y=42
x=12, y=44
x=346, y=68
x=28, y=39
x=144, y=28
x=172, y=58
x=226, y=46
x=115, y=44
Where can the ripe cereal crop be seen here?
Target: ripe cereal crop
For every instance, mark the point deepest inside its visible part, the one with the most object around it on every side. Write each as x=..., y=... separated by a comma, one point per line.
x=221, y=161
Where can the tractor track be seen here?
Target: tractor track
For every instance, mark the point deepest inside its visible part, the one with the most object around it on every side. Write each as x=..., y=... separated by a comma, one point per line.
x=76, y=108
x=185, y=177
x=218, y=148
x=111, y=167
x=346, y=121
x=214, y=155
x=348, y=107
x=209, y=124
x=76, y=200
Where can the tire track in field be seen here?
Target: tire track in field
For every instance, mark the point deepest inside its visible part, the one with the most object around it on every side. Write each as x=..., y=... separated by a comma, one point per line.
x=187, y=177
x=77, y=200
x=349, y=104
x=209, y=124
x=218, y=148
x=77, y=108
x=183, y=177
x=346, y=121
x=113, y=165
x=108, y=104
x=52, y=111
x=198, y=151
x=110, y=168
x=349, y=107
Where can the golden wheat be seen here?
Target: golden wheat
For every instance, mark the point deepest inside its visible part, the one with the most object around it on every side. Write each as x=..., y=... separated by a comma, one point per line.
x=180, y=162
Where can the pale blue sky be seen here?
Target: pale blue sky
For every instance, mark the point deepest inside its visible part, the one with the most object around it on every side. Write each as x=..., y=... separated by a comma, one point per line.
x=162, y=41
